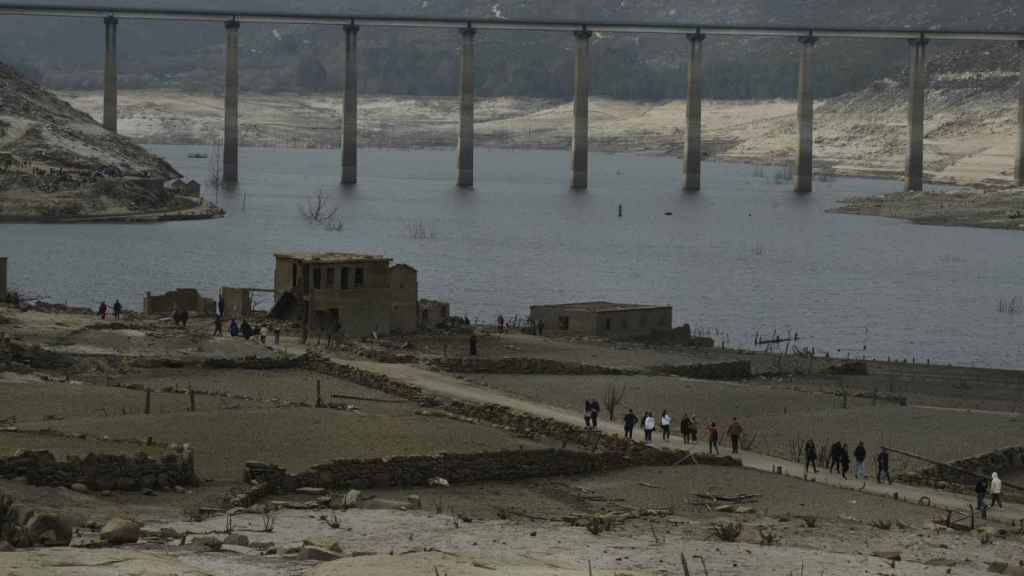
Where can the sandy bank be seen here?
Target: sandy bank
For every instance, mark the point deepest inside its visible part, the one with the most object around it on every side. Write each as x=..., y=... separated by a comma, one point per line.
x=970, y=132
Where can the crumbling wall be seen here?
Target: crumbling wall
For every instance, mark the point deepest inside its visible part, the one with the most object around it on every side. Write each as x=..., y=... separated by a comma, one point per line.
x=103, y=471
x=463, y=468
x=519, y=365
x=717, y=371
x=180, y=299
x=962, y=475
x=237, y=302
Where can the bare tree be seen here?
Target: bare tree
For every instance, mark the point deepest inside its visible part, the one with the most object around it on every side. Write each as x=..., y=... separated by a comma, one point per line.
x=613, y=398
x=320, y=210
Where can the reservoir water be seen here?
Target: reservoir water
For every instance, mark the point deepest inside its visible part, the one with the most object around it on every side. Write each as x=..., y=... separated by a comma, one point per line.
x=744, y=256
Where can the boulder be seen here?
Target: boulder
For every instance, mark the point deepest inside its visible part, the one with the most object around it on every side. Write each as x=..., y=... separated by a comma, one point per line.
x=210, y=542
x=438, y=481
x=79, y=487
x=415, y=502
x=349, y=500
x=121, y=531
x=48, y=529
x=317, y=554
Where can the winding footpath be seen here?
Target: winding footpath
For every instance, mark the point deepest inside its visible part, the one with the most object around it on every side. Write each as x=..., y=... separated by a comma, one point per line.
x=455, y=388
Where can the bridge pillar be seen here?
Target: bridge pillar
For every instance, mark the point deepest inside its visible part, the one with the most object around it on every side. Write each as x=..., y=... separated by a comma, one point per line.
x=110, y=75
x=1020, y=117
x=465, y=150
x=915, y=116
x=230, y=156
x=805, y=116
x=350, y=126
x=581, y=111
x=692, y=155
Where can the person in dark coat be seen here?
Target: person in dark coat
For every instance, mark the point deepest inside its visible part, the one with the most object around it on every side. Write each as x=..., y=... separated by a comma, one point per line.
x=810, y=457
x=835, y=457
x=629, y=422
x=860, y=454
x=980, y=489
x=685, y=426
x=883, y=466
x=844, y=460
x=117, y=309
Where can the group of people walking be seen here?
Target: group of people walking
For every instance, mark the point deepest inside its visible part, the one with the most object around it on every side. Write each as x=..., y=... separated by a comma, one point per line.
x=838, y=461
x=993, y=488
x=687, y=428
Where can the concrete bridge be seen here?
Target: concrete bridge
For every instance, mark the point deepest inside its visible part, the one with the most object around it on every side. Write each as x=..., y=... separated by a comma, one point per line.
x=582, y=31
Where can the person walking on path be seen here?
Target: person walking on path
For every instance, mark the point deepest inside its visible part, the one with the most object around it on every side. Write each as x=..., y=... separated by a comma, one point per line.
x=684, y=428
x=860, y=454
x=810, y=457
x=996, y=489
x=835, y=457
x=883, y=466
x=628, y=423
x=102, y=313
x=735, y=432
x=218, y=326
x=117, y=309
x=472, y=344
x=595, y=411
x=980, y=489
x=844, y=460
x=220, y=305
x=713, y=439
x=666, y=425
x=588, y=409
x=648, y=427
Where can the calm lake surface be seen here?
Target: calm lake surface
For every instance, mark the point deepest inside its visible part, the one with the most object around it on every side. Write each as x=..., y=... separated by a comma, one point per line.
x=745, y=255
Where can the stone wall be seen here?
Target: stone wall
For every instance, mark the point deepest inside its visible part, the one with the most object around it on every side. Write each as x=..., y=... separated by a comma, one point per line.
x=519, y=365
x=103, y=471
x=464, y=468
x=738, y=370
x=180, y=299
x=962, y=475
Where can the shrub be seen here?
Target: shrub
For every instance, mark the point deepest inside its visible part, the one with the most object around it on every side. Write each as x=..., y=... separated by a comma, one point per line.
x=727, y=531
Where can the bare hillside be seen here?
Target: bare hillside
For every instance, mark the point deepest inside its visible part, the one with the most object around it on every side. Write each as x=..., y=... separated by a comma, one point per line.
x=58, y=164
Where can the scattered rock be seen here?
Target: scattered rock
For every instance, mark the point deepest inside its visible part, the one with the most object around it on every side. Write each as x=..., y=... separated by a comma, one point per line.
x=941, y=562
x=79, y=487
x=383, y=504
x=349, y=500
x=310, y=491
x=892, y=555
x=211, y=542
x=438, y=481
x=121, y=531
x=48, y=529
x=149, y=492
x=237, y=540
x=317, y=554
x=179, y=489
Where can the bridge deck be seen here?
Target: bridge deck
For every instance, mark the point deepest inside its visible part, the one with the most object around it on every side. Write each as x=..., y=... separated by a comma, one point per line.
x=260, y=17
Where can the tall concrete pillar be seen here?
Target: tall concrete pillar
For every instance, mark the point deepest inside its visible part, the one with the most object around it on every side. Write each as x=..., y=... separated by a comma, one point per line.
x=110, y=76
x=692, y=155
x=230, y=155
x=350, y=125
x=915, y=115
x=465, y=179
x=805, y=117
x=1020, y=117
x=581, y=111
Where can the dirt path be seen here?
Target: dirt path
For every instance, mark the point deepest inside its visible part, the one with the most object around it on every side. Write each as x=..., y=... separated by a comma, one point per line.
x=452, y=387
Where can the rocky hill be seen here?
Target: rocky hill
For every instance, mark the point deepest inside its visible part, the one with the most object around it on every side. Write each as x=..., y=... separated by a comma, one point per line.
x=58, y=164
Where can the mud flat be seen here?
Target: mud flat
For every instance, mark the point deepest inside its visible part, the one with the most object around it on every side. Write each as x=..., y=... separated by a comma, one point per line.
x=970, y=133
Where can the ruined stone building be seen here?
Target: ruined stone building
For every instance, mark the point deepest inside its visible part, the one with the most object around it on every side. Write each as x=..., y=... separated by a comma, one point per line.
x=182, y=300
x=360, y=294
x=604, y=319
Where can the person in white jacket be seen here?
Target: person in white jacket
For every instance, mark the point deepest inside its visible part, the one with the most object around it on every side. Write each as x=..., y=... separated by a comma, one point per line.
x=666, y=425
x=996, y=489
x=648, y=427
